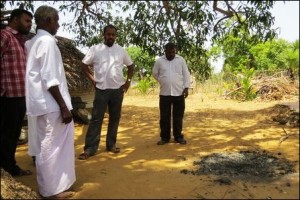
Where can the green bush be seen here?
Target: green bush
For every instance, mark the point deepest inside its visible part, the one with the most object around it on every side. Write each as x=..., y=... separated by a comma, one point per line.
x=145, y=84
x=245, y=90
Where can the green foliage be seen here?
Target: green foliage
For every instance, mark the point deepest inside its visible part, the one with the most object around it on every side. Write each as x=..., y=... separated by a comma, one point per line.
x=247, y=87
x=151, y=24
x=142, y=60
x=292, y=56
x=156, y=23
x=236, y=48
x=243, y=88
x=268, y=56
x=199, y=65
x=145, y=84
x=276, y=55
x=241, y=50
x=252, y=19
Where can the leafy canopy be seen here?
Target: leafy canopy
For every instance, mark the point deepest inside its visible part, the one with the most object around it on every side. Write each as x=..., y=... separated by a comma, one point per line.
x=151, y=24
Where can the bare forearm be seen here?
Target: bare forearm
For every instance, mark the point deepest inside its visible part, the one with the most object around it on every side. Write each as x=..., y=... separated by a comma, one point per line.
x=65, y=112
x=130, y=70
x=57, y=96
x=88, y=73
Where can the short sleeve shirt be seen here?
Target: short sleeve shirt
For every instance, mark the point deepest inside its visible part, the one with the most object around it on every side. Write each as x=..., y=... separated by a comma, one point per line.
x=108, y=63
x=13, y=64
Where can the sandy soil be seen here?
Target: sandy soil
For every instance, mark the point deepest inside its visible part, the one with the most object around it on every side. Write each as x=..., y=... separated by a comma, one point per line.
x=145, y=170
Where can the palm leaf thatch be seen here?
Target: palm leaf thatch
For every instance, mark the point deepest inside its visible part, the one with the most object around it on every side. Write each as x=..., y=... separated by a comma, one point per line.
x=77, y=81
x=72, y=57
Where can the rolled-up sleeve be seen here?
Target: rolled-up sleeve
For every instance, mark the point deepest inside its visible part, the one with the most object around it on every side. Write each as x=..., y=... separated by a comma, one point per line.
x=49, y=74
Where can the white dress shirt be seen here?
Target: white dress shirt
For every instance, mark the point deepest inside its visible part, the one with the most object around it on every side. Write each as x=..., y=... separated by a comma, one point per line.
x=108, y=65
x=44, y=69
x=173, y=76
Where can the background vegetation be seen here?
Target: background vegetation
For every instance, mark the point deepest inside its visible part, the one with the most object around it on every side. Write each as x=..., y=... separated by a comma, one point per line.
x=239, y=31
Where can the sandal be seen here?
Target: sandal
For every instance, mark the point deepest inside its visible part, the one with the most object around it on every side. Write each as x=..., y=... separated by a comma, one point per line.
x=84, y=156
x=114, y=150
x=22, y=172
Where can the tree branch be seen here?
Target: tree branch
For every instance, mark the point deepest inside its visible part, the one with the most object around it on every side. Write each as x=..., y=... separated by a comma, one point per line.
x=220, y=21
x=227, y=13
x=166, y=5
x=86, y=6
x=167, y=8
x=235, y=13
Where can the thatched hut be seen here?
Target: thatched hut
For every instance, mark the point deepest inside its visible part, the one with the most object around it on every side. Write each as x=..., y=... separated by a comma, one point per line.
x=80, y=87
x=78, y=83
x=72, y=57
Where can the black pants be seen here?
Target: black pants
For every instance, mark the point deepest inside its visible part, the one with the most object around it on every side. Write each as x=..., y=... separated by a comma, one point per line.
x=176, y=106
x=111, y=98
x=12, y=116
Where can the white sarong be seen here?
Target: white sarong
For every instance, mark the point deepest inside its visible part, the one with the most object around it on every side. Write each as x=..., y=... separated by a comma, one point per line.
x=52, y=142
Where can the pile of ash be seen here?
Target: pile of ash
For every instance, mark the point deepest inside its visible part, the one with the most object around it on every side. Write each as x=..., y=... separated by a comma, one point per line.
x=243, y=164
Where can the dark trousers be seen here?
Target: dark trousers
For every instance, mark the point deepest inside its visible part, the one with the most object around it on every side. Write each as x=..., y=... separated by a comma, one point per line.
x=176, y=106
x=111, y=98
x=12, y=116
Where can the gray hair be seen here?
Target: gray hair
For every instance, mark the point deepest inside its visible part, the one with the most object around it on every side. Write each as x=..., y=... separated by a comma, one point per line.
x=43, y=13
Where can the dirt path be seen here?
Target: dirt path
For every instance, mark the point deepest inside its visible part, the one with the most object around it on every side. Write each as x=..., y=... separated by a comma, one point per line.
x=145, y=170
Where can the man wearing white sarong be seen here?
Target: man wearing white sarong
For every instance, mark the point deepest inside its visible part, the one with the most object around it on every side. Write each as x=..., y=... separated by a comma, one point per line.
x=48, y=103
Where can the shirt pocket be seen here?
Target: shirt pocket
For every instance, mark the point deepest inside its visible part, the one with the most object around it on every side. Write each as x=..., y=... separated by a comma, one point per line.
x=177, y=69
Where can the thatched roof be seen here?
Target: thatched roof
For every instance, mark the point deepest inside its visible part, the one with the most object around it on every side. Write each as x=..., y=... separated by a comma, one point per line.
x=77, y=81
x=72, y=58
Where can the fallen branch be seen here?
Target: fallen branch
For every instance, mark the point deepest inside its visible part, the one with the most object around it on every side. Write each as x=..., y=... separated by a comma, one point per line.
x=285, y=137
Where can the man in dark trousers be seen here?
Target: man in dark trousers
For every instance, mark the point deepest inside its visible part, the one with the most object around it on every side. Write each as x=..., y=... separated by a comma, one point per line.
x=12, y=91
x=108, y=60
x=173, y=76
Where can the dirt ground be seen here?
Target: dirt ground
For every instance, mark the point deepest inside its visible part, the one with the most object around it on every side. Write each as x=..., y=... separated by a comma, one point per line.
x=144, y=170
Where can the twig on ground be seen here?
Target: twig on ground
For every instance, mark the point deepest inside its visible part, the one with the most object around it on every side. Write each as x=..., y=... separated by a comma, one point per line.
x=286, y=136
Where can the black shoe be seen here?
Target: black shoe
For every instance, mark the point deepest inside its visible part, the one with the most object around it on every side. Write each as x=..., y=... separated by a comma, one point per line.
x=181, y=141
x=162, y=142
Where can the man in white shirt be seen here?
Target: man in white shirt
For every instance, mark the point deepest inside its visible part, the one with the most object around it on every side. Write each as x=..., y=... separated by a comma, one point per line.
x=108, y=60
x=173, y=76
x=48, y=103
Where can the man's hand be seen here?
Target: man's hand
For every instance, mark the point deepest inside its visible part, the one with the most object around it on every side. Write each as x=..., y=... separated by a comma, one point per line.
x=65, y=112
x=185, y=92
x=126, y=86
x=66, y=115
